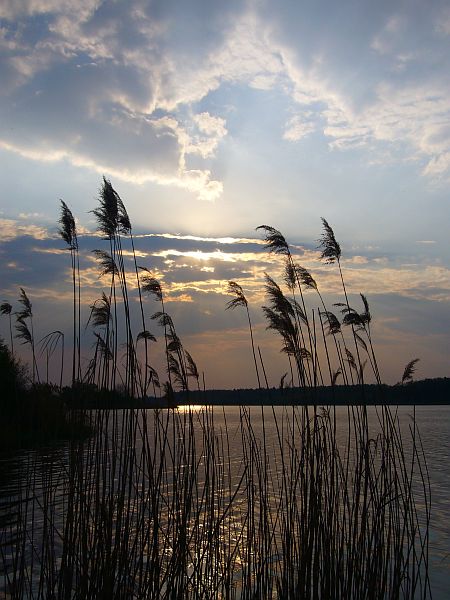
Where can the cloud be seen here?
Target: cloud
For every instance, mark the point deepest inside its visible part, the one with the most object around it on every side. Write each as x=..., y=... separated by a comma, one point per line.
x=192, y=263
x=34, y=215
x=214, y=126
x=135, y=91
x=422, y=282
x=194, y=272
x=244, y=55
x=11, y=229
x=442, y=23
x=438, y=165
x=296, y=129
x=14, y=9
x=101, y=66
x=384, y=42
x=196, y=238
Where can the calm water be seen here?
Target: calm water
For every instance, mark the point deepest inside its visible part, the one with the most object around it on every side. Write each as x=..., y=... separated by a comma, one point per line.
x=25, y=476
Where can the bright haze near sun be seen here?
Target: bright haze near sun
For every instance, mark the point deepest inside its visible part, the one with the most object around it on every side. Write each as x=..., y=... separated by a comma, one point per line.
x=212, y=118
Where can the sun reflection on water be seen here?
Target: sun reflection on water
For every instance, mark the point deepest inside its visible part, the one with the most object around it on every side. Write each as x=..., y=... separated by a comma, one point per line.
x=186, y=408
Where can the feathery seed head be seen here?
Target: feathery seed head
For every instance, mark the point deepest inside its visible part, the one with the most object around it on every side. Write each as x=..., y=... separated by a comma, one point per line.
x=151, y=285
x=331, y=250
x=100, y=311
x=305, y=277
x=106, y=262
x=124, y=220
x=274, y=240
x=236, y=290
x=146, y=335
x=289, y=274
x=365, y=316
x=23, y=332
x=334, y=326
x=24, y=300
x=5, y=308
x=108, y=212
x=191, y=367
x=409, y=371
x=163, y=319
x=278, y=300
x=68, y=230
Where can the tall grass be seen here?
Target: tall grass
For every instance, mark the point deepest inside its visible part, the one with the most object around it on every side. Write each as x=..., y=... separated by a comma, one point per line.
x=293, y=502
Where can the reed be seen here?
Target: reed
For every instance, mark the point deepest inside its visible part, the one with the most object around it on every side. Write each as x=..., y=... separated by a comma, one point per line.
x=268, y=502
x=6, y=309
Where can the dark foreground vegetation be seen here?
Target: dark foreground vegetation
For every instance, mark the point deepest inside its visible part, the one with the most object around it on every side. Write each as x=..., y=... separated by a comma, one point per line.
x=33, y=414
x=180, y=504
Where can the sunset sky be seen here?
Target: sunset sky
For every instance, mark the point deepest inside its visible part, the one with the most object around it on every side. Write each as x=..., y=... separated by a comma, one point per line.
x=211, y=118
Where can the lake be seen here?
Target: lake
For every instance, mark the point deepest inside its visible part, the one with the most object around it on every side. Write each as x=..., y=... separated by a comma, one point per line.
x=227, y=502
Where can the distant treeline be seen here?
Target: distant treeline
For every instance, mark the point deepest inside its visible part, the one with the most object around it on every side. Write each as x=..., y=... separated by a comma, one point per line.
x=424, y=392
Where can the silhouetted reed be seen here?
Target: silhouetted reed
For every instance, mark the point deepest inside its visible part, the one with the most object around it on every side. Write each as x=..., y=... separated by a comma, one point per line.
x=6, y=309
x=291, y=502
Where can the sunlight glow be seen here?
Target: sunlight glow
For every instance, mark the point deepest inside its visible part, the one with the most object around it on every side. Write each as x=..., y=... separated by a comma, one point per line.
x=199, y=255
x=196, y=238
x=188, y=408
x=232, y=257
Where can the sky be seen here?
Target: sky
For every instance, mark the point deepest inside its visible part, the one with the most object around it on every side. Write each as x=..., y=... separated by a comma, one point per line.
x=210, y=119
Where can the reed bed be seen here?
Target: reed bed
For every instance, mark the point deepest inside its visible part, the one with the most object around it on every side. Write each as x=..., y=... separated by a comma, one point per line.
x=280, y=502
x=163, y=505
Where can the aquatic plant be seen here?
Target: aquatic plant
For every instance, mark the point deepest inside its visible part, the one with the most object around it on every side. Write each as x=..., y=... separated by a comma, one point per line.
x=301, y=501
x=6, y=309
x=409, y=371
x=68, y=233
x=25, y=333
x=240, y=300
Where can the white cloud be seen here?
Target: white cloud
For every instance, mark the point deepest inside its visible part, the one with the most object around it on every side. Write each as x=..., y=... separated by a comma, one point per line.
x=214, y=126
x=10, y=229
x=438, y=165
x=34, y=215
x=131, y=93
x=14, y=9
x=296, y=129
x=196, y=238
x=108, y=88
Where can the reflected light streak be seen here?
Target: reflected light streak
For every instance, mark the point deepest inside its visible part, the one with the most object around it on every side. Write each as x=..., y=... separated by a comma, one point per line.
x=187, y=408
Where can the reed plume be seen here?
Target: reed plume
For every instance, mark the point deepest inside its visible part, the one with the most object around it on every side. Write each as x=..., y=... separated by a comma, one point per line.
x=107, y=214
x=275, y=242
x=25, y=333
x=68, y=233
x=240, y=300
x=409, y=371
x=331, y=253
x=152, y=287
x=106, y=262
x=6, y=309
x=100, y=316
x=330, y=248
